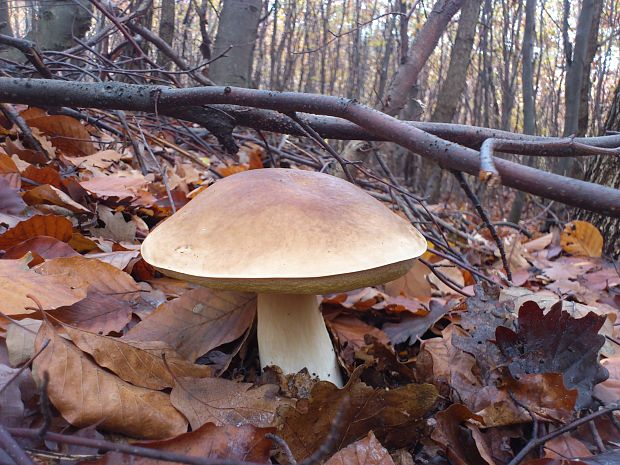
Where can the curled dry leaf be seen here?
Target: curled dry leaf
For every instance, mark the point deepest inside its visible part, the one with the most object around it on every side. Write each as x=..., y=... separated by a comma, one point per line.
x=367, y=451
x=17, y=281
x=224, y=402
x=145, y=368
x=394, y=415
x=582, y=239
x=86, y=394
x=198, y=321
x=460, y=445
x=47, y=194
x=244, y=443
x=54, y=226
x=555, y=343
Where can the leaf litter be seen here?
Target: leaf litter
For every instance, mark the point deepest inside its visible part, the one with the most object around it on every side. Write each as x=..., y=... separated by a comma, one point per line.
x=135, y=356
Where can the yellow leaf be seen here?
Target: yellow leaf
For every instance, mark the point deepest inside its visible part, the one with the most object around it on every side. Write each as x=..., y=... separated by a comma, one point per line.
x=581, y=238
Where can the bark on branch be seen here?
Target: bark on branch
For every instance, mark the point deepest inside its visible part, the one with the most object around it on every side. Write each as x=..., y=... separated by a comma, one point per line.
x=179, y=102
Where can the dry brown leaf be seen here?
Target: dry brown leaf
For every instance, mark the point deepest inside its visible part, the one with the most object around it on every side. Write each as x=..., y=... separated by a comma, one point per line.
x=581, y=238
x=85, y=394
x=17, y=281
x=413, y=284
x=66, y=133
x=224, y=402
x=42, y=175
x=460, y=447
x=121, y=186
x=198, y=321
x=452, y=273
x=58, y=227
x=97, y=313
x=144, y=368
x=42, y=248
x=367, y=451
x=11, y=202
x=47, y=194
x=119, y=259
x=351, y=331
x=98, y=276
x=100, y=160
x=116, y=228
x=394, y=415
x=565, y=446
x=244, y=443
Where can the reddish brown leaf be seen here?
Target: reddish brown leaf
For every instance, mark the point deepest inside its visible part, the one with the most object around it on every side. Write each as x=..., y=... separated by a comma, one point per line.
x=85, y=394
x=393, y=415
x=42, y=246
x=367, y=451
x=58, y=227
x=44, y=175
x=66, y=133
x=244, y=443
x=458, y=441
x=198, y=321
x=47, y=194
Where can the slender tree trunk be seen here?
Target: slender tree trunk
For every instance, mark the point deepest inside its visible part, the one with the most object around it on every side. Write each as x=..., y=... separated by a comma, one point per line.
x=529, y=99
x=586, y=83
x=454, y=83
x=606, y=170
x=423, y=45
x=237, y=28
x=166, y=29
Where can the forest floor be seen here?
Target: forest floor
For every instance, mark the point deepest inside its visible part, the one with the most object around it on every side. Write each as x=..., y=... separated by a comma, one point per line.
x=99, y=348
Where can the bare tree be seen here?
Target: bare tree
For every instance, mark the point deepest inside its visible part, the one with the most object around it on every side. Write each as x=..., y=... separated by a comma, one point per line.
x=166, y=28
x=236, y=34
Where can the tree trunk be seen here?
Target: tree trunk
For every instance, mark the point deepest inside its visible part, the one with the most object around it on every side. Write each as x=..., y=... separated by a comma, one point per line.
x=529, y=99
x=60, y=21
x=460, y=57
x=166, y=29
x=238, y=28
x=422, y=47
x=586, y=83
x=606, y=170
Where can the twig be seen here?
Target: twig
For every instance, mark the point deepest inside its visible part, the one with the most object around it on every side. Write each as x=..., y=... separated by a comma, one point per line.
x=12, y=448
x=18, y=121
x=443, y=278
x=533, y=443
x=312, y=134
x=597, y=437
x=485, y=218
x=284, y=447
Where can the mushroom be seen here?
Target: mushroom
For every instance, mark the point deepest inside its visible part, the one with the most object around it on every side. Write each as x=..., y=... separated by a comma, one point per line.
x=287, y=235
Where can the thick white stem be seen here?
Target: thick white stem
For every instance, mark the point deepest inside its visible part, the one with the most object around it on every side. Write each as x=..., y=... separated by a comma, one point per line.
x=293, y=336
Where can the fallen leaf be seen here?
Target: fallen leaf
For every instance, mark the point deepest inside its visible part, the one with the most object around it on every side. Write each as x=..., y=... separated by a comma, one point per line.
x=11, y=202
x=47, y=194
x=42, y=248
x=57, y=227
x=20, y=338
x=555, y=343
x=42, y=175
x=86, y=394
x=451, y=273
x=118, y=187
x=116, y=228
x=367, y=451
x=244, y=443
x=351, y=331
x=565, y=446
x=66, y=133
x=412, y=327
x=11, y=404
x=224, y=402
x=17, y=281
x=145, y=368
x=609, y=390
x=456, y=439
x=198, y=321
x=581, y=238
x=100, y=160
x=413, y=284
x=393, y=415
x=119, y=259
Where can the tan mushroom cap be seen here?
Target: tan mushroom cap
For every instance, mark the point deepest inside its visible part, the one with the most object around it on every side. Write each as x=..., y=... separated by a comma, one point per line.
x=279, y=230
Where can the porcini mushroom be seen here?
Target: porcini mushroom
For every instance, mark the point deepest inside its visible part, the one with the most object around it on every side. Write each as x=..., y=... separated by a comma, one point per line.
x=287, y=235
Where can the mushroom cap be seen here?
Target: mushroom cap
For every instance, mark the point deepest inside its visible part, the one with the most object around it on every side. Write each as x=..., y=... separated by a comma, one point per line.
x=289, y=231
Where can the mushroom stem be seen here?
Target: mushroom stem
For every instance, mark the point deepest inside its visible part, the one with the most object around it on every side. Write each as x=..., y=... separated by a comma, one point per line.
x=292, y=335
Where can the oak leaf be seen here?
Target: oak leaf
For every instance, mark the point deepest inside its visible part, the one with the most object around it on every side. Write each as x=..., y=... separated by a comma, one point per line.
x=367, y=451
